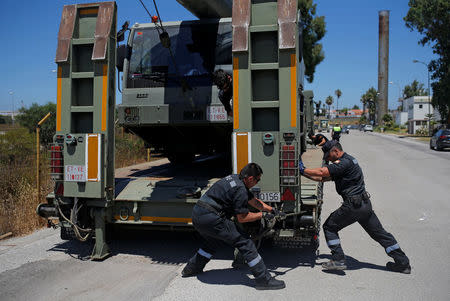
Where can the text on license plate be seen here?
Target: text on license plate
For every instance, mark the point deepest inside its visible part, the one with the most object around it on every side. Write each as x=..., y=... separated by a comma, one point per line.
x=216, y=113
x=269, y=196
x=75, y=173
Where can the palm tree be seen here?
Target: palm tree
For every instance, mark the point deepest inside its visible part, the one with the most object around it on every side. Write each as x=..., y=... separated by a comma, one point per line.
x=338, y=95
x=415, y=89
x=329, y=102
x=364, y=100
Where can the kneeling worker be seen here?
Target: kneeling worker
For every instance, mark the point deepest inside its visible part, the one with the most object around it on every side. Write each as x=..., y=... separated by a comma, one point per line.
x=211, y=215
x=348, y=177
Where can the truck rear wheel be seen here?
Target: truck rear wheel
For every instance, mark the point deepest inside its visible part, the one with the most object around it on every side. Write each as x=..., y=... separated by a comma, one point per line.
x=176, y=158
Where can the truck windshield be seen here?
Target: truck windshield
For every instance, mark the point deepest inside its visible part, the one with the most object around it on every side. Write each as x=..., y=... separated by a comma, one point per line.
x=197, y=49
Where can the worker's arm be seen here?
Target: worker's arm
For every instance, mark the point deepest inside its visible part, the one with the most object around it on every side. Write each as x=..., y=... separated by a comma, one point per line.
x=318, y=179
x=320, y=174
x=322, y=142
x=248, y=217
x=258, y=204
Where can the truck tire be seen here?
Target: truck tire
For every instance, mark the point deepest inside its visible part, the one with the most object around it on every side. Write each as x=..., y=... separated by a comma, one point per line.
x=179, y=158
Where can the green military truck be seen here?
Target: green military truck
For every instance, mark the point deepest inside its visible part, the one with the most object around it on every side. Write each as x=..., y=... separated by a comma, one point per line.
x=171, y=103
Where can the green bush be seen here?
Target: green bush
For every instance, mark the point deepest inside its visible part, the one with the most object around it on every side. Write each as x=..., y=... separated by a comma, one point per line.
x=30, y=117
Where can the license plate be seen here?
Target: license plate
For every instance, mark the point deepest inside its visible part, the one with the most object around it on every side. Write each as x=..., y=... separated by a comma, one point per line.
x=75, y=173
x=269, y=196
x=216, y=113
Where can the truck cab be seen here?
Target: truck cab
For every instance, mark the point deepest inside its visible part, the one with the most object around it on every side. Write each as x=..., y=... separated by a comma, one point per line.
x=168, y=97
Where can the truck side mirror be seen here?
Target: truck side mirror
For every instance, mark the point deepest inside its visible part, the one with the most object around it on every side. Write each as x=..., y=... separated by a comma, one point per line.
x=121, y=33
x=122, y=53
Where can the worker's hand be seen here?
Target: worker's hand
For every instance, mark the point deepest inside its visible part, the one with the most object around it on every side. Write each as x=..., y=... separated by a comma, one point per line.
x=268, y=220
x=279, y=215
x=301, y=167
x=268, y=216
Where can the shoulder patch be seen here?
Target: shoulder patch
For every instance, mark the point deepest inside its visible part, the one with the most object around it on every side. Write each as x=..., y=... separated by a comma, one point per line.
x=355, y=161
x=233, y=184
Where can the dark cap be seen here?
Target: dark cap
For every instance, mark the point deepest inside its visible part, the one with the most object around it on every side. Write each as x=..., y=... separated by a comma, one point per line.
x=326, y=148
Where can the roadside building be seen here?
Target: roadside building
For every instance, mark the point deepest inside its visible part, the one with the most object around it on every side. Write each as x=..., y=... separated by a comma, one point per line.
x=415, y=109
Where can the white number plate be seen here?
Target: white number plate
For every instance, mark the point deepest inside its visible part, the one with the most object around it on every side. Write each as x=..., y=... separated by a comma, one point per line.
x=216, y=113
x=75, y=173
x=269, y=196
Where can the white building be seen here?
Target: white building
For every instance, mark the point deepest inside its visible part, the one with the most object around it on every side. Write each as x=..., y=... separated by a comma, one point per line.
x=9, y=113
x=417, y=109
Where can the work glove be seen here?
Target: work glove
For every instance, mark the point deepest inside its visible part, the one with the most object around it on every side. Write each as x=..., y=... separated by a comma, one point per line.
x=268, y=216
x=268, y=220
x=301, y=167
x=280, y=215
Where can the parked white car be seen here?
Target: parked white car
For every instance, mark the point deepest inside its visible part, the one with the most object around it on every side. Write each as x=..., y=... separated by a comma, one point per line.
x=368, y=128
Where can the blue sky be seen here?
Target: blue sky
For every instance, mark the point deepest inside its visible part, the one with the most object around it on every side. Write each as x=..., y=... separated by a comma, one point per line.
x=29, y=30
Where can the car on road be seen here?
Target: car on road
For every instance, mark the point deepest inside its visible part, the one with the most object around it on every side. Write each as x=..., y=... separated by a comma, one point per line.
x=368, y=128
x=440, y=140
x=346, y=129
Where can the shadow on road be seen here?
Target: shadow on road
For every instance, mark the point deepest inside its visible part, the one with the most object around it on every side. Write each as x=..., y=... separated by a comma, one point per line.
x=352, y=264
x=228, y=276
x=176, y=248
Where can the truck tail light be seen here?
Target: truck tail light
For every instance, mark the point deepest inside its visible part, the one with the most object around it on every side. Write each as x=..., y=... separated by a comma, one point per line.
x=288, y=165
x=56, y=162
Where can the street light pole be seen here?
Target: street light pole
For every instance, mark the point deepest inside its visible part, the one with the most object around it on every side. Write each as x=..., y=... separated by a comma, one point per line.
x=398, y=86
x=429, y=96
x=12, y=101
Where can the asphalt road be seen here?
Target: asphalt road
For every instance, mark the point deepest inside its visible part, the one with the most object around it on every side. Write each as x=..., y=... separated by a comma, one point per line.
x=410, y=189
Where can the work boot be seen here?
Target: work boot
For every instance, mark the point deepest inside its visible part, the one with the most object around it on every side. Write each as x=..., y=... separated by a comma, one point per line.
x=337, y=265
x=194, y=266
x=269, y=283
x=399, y=268
x=239, y=261
x=263, y=279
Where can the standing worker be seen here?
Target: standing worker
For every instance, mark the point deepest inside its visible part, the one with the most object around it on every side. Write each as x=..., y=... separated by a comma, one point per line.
x=224, y=81
x=211, y=215
x=336, y=133
x=348, y=177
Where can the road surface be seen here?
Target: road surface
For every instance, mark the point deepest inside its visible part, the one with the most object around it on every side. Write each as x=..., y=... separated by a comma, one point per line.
x=410, y=188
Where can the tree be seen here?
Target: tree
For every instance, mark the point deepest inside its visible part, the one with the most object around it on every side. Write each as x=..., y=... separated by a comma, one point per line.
x=29, y=119
x=415, y=89
x=338, y=95
x=5, y=119
x=370, y=98
x=388, y=120
x=355, y=107
x=329, y=102
x=431, y=19
x=345, y=111
x=313, y=30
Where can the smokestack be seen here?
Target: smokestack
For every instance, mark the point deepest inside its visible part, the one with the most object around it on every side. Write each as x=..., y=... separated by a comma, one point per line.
x=383, y=65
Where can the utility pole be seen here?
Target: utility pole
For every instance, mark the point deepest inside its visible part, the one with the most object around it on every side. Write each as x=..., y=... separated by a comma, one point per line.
x=429, y=96
x=12, y=101
x=383, y=65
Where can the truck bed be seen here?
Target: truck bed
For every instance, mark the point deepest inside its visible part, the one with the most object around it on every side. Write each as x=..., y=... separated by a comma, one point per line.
x=162, y=181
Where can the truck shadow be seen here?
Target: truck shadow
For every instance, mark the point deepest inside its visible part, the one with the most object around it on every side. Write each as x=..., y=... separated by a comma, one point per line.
x=175, y=248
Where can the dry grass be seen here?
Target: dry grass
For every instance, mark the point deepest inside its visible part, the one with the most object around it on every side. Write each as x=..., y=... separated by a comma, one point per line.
x=130, y=150
x=18, y=192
